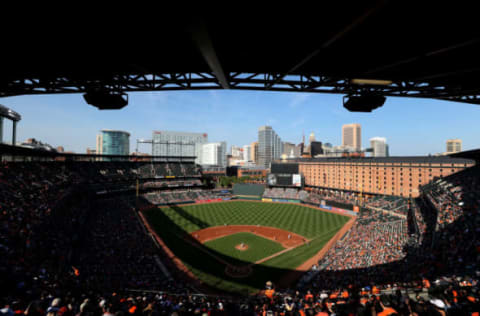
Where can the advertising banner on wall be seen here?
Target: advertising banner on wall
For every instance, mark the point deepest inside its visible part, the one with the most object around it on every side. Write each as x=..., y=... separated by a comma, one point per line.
x=297, y=180
x=208, y=200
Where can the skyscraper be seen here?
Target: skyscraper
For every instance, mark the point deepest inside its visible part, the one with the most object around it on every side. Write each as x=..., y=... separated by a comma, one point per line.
x=311, y=138
x=236, y=151
x=352, y=136
x=289, y=149
x=379, y=147
x=454, y=145
x=182, y=144
x=254, y=152
x=214, y=154
x=316, y=149
x=111, y=142
x=246, y=152
x=269, y=146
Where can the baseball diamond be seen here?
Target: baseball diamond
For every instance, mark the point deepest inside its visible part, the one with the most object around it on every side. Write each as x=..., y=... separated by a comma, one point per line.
x=281, y=238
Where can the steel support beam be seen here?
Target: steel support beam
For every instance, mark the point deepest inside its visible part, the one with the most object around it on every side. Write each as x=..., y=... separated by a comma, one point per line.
x=14, y=133
x=241, y=81
x=425, y=55
x=358, y=21
x=204, y=43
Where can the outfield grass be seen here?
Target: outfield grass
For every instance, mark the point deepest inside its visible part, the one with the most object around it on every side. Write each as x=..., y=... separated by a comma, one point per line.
x=173, y=223
x=302, y=220
x=258, y=247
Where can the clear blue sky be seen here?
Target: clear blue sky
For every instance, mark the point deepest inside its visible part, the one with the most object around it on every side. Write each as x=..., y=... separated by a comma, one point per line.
x=411, y=126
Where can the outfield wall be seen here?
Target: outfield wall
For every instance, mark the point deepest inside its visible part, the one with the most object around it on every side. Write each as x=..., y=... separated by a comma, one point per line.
x=280, y=200
x=248, y=191
x=337, y=210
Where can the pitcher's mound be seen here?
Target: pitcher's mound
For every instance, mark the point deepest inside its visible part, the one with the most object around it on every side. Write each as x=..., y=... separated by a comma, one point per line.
x=241, y=247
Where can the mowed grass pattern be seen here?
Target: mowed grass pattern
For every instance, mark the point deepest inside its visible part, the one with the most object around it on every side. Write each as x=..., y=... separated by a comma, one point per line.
x=172, y=223
x=258, y=247
x=302, y=220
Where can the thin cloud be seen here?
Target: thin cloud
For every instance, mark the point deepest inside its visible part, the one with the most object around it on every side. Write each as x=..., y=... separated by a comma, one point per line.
x=298, y=99
x=271, y=121
x=298, y=122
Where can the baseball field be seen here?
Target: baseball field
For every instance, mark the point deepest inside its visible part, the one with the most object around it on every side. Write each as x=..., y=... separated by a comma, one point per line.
x=237, y=246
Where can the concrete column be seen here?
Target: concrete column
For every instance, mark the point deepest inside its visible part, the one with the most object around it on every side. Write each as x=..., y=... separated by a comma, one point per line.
x=14, y=133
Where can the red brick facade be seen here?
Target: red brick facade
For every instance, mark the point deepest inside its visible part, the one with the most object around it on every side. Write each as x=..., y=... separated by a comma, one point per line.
x=382, y=176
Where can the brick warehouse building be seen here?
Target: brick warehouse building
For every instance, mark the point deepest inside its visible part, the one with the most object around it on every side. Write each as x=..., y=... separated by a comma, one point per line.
x=401, y=176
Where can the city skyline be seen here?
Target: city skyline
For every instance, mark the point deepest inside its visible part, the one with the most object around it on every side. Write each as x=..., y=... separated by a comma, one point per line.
x=413, y=126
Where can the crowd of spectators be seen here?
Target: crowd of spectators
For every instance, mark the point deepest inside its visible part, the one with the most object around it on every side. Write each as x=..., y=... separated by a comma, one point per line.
x=394, y=204
x=285, y=193
x=376, y=238
x=170, y=183
x=169, y=169
x=447, y=252
x=65, y=251
x=451, y=210
x=443, y=298
x=182, y=196
x=316, y=196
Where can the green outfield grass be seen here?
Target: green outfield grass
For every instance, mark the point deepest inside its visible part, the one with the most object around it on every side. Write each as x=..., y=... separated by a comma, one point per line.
x=258, y=247
x=172, y=224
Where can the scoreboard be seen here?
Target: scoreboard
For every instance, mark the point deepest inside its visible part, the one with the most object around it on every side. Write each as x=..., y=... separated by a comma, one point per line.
x=285, y=180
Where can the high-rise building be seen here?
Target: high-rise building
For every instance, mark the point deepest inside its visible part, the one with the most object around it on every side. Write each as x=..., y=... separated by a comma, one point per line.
x=236, y=151
x=316, y=149
x=112, y=142
x=311, y=138
x=379, y=147
x=181, y=144
x=214, y=154
x=269, y=146
x=289, y=150
x=454, y=146
x=352, y=136
x=254, y=152
x=246, y=152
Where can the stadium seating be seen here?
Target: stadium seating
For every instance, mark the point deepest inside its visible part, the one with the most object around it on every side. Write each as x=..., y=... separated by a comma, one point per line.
x=377, y=238
x=64, y=251
x=285, y=193
x=179, y=196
